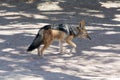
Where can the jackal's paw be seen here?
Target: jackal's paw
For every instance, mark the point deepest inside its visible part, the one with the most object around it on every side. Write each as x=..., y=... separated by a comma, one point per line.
x=41, y=55
x=73, y=50
x=66, y=51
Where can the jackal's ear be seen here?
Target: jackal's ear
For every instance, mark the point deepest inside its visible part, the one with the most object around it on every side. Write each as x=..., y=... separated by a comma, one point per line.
x=82, y=24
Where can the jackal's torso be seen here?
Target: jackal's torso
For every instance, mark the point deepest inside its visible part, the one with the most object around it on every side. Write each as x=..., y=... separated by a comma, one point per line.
x=59, y=35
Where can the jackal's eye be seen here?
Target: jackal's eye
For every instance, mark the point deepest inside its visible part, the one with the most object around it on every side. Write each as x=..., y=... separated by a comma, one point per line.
x=83, y=32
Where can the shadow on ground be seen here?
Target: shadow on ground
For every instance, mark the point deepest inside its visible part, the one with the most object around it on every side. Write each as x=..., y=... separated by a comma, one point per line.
x=103, y=24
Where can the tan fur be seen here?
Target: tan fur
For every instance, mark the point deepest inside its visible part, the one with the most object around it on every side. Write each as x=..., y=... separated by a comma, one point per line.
x=50, y=35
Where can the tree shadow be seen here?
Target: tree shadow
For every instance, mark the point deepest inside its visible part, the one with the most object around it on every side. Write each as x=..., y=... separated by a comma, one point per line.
x=101, y=22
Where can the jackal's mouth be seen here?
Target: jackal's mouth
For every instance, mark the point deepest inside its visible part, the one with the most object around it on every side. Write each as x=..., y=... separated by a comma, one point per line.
x=88, y=37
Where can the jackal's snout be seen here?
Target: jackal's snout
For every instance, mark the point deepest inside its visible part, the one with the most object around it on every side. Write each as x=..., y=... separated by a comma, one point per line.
x=88, y=37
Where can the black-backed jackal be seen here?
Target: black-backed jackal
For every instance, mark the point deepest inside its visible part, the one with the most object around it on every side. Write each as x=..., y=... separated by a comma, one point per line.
x=63, y=33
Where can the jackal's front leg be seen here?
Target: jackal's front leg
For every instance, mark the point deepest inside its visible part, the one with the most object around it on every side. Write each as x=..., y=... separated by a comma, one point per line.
x=73, y=50
x=69, y=41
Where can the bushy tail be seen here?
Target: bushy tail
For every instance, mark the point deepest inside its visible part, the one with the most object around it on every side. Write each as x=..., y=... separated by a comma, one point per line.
x=37, y=41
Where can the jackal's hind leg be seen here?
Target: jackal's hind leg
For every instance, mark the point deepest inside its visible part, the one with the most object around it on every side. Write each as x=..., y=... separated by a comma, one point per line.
x=48, y=38
x=61, y=46
x=38, y=49
x=42, y=50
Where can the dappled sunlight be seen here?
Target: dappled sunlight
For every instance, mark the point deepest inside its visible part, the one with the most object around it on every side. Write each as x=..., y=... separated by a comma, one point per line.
x=117, y=17
x=2, y=40
x=8, y=33
x=12, y=17
x=99, y=28
x=97, y=58
x=110, y=4
x=108, y=25
x=102, y=64
x=96, y=66
x=8, y=5
x=107, y=47
x=7, y=50
x=111, y=32
x=40, y=16
x=102, y=47
x=93, y=15
x=51, y=6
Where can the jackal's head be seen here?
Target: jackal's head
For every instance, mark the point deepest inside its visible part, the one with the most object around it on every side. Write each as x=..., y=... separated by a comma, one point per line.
x=82, y=30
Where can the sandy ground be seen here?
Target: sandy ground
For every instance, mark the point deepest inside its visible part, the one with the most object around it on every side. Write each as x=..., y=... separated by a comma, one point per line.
x=98, y=59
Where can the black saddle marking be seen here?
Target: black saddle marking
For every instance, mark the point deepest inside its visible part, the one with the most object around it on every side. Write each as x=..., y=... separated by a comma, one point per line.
x=68, y=29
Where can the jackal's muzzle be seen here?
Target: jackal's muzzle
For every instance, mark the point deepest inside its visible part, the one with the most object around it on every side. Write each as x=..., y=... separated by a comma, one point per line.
x=88, y=37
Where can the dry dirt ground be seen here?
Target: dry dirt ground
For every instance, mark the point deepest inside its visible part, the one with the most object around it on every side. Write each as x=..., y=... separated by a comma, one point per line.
x=98, y=59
